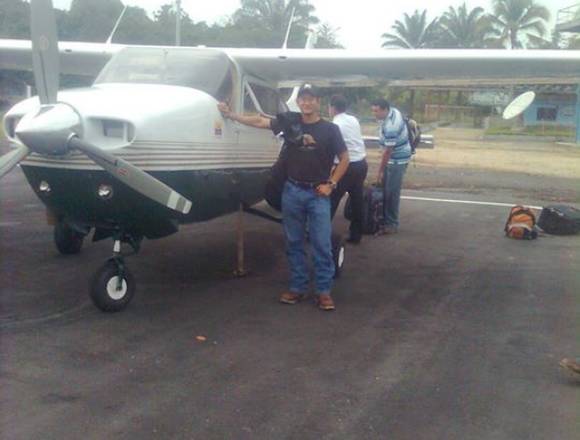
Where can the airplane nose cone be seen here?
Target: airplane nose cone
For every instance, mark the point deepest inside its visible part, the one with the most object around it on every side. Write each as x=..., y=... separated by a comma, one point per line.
x=49, y=129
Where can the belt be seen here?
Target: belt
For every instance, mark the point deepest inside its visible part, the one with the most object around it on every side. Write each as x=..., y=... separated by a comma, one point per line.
x=304, y=185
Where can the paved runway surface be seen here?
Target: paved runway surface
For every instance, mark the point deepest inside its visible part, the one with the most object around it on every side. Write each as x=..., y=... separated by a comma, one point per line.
x=447, y=330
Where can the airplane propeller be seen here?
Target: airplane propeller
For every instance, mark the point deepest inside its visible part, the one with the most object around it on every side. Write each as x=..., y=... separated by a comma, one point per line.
x=56, y=129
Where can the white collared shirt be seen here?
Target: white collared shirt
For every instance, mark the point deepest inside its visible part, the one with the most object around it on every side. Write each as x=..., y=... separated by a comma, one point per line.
x=351, y=133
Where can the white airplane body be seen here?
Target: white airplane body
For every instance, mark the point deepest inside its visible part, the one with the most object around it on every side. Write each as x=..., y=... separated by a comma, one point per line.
x=145, y=148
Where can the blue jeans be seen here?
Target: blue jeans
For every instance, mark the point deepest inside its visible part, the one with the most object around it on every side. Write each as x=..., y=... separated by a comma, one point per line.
x=392, y=184
x=302, y=207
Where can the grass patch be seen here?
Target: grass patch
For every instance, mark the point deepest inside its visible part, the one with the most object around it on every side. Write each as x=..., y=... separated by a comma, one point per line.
x=553, y=131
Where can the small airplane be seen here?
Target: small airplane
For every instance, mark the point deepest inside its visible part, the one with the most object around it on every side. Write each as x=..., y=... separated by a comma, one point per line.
x=145, y=149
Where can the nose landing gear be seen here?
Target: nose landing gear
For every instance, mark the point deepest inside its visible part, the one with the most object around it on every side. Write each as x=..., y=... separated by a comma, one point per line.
x=112, y=287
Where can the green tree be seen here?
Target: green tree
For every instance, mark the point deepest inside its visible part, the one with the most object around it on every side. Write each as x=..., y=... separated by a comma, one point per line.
x=463, y=28
x=192, y=34
x=266, y=21
x=414, y=32
x=326, y=37
x=14, y=19
x=136, y=28
x=89, y=20
x=515, y=20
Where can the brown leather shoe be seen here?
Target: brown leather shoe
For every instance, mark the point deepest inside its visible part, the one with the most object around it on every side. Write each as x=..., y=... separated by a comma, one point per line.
x=571, y=365
x=291, y=298
x=325, y=302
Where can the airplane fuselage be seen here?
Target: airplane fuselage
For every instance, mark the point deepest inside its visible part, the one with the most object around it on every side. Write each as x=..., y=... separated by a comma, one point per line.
x=172, y=132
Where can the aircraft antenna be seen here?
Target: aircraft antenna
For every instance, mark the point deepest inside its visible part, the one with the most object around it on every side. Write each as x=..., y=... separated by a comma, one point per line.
x=178, y=22
x=285, y=45
x=110, y=39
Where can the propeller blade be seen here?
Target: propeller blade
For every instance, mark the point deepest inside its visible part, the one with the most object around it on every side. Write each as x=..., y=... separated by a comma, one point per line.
x=134, y=177
x=10, y=160
x=45, y=57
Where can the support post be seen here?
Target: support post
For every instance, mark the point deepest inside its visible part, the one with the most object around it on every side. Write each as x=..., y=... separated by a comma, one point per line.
x=240, y=271
x=178, y=22
x=578, y=114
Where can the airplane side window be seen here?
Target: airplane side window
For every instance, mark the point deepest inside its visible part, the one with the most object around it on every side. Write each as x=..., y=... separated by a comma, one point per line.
x=268, y=99
x=249, y=107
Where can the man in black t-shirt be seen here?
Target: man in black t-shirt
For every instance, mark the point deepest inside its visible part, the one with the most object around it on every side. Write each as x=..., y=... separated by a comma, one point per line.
x=306, y=195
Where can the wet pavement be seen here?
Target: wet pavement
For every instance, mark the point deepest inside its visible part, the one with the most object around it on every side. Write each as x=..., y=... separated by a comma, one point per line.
x=446, y=330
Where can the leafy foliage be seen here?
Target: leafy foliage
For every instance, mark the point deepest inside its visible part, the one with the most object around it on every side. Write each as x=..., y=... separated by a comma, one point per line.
x=414, y=32
x=463, y=28
x=515, y=20
x=326, y=37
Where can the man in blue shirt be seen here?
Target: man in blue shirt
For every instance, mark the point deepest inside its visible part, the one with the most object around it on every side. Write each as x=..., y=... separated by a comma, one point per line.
x=394, y=140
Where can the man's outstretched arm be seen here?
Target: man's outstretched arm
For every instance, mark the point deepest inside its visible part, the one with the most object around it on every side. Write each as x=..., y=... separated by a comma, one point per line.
x=251, y=120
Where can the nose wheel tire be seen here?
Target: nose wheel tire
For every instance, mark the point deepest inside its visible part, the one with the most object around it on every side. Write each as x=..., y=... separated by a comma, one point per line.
x=107, y=293
x=67, y=240
x=338, y=254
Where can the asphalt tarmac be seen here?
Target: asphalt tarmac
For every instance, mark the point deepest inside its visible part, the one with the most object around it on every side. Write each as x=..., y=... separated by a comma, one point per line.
x=447, y=330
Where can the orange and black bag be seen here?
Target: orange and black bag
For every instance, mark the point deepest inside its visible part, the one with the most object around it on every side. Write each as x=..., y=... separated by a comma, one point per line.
x=521, y=224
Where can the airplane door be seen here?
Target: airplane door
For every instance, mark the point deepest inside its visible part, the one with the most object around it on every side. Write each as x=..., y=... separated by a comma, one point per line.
x=262, y=140
x=257, y=149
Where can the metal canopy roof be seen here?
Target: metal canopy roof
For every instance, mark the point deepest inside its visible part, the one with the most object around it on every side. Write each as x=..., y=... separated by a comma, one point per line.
x=568, y=19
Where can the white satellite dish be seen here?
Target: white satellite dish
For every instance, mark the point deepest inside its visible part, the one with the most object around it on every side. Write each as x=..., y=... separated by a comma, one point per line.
x=519, y=105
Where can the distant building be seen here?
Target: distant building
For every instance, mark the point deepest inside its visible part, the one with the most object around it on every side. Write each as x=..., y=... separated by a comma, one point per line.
x=554, y=105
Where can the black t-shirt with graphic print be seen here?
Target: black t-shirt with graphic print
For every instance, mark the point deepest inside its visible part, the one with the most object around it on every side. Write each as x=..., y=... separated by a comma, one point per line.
x=312, y=163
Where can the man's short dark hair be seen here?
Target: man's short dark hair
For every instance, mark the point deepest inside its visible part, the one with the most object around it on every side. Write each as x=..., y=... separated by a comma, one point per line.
x=308, y=89
x=339, y=103
x=382, y=103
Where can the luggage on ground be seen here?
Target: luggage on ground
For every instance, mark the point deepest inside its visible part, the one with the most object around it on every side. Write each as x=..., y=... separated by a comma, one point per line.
x=372, y=209
x=521, y=223
x=560, y=220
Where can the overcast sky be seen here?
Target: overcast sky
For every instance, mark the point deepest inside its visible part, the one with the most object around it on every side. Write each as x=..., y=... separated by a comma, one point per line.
x=359, y=23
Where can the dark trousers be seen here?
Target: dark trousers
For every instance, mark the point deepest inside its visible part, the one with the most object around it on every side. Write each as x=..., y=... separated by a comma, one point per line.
x=353, y=183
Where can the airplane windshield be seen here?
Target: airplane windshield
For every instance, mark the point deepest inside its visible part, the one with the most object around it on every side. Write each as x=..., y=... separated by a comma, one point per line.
x=200, y=69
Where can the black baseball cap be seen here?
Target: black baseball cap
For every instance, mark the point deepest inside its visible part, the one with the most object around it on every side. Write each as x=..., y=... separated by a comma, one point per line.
x=308, y=89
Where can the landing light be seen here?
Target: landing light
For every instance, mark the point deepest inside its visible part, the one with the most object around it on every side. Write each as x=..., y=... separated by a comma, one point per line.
x=44, y=187
x=105, y=192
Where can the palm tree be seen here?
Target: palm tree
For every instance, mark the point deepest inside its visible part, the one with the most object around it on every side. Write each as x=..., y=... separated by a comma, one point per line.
x=273, y=16
x=465, y=29
x=413, y=32
x=514, y=19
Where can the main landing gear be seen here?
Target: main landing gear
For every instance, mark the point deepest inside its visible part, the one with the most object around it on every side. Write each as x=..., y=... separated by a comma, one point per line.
x=112, y=287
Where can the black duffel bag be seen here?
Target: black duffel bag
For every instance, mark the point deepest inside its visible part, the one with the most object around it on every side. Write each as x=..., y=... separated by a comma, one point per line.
x=275, y=183
x=560, y=220
x=291, y=123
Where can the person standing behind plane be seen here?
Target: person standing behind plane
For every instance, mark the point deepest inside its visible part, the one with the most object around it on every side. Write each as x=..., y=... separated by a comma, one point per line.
x=306, y=194
x=394, y=139
x=354, y=179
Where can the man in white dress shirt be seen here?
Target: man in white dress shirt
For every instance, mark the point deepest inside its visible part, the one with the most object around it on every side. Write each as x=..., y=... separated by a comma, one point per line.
x=353, y=181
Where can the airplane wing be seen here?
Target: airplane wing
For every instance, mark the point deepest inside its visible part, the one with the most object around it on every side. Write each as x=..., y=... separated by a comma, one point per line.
x=339, y=67
x=345, y=67
x=75, y=58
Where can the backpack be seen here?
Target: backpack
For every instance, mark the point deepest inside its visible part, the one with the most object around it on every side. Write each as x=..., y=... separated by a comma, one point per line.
x=414, y=133
x=521, y=224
